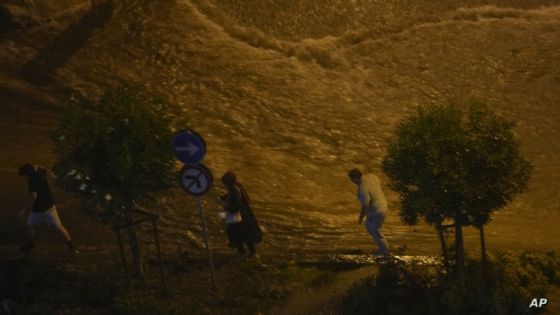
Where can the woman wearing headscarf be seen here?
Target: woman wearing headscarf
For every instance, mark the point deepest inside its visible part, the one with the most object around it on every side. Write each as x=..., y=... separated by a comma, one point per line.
x=242, y=225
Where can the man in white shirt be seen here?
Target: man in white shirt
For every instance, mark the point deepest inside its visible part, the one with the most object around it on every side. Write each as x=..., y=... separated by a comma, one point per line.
x=374, y=207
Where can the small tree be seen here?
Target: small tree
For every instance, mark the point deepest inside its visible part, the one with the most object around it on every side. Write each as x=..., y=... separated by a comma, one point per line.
x=450, y=164
x=116, y=152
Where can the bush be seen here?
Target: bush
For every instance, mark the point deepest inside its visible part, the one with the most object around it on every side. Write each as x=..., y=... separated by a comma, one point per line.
x=449, y=163
x=397, y=289
x=249, y=287
x=507, y=286
x=115, y=151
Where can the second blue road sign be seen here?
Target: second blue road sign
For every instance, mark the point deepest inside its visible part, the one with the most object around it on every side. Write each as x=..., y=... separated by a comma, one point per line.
x=196, y=179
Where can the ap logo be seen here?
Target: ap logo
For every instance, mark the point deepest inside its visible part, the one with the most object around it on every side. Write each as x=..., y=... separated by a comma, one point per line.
x=538, y=303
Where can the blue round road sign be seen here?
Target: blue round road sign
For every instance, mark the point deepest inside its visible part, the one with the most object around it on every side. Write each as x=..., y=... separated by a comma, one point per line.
x=189, y=147
x=196, y=179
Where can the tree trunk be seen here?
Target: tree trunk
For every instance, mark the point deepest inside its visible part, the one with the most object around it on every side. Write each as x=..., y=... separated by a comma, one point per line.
x=482, y=246
x=443, y=247
x=133, y=242
x=122, y=252
x=460, y=253
x=158, y=248
x=94, y=7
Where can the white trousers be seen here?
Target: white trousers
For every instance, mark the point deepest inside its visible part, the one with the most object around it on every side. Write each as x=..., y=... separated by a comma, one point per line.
x=374, y=222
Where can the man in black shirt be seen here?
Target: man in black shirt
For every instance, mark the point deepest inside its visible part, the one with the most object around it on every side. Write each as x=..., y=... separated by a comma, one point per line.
x=41, y=205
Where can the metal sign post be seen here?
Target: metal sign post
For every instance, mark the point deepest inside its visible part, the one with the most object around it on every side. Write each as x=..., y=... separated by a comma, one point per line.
x=206, y=243
x=196, y=179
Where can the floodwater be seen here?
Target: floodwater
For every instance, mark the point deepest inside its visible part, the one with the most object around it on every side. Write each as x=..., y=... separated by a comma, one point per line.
x=290, y=95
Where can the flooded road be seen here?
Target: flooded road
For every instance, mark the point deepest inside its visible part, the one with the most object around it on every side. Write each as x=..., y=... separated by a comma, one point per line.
x=291, y=96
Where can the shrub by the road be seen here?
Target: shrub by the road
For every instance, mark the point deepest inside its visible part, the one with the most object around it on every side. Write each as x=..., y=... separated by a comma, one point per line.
x=507, y=286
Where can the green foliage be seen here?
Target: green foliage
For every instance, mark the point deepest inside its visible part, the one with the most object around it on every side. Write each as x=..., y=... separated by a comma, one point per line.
x=511, y=281
x=115, y=151
x=397, y=289
x=65, y=284
x=507, y=286
x=449, y=163
x=243, y=288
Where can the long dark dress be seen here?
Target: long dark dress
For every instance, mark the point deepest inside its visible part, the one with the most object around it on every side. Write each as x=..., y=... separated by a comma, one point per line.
x=248, y=230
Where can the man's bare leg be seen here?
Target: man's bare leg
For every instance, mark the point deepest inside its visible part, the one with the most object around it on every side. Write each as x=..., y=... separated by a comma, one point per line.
x=30, y=234
x=66, y=236
x=29, y=244
x=64, y=232
x=58, y=224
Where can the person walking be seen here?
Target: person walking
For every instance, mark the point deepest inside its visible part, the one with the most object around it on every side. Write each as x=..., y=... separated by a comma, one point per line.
x=41, y=206
x=242, y=226
x=373, y=206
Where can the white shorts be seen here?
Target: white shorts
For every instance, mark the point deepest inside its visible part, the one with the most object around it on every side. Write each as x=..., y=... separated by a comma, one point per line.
x=49, y=217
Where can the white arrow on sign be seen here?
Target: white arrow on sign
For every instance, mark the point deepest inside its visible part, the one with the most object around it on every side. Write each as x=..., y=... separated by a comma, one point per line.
x=191, y=148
